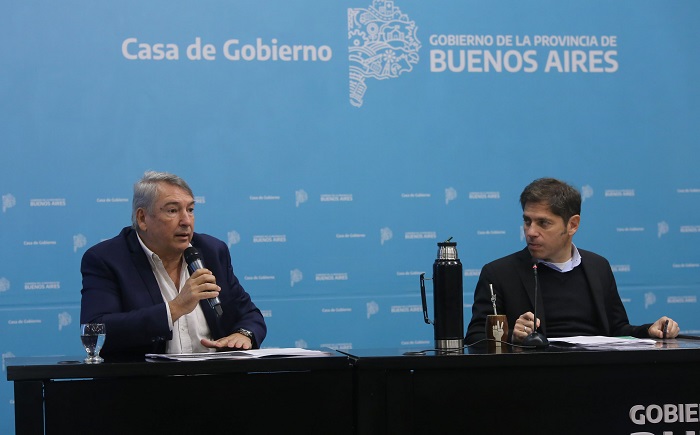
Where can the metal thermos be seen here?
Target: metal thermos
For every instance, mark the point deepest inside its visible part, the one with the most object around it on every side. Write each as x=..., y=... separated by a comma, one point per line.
x=448, y=307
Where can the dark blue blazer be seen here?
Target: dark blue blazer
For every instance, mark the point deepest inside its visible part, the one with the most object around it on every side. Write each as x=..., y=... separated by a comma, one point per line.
x=120, y=290
x=514, y=285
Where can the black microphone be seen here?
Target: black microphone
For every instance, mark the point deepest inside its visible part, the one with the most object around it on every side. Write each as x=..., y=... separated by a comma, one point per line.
x=194, y=262
x=535, y=339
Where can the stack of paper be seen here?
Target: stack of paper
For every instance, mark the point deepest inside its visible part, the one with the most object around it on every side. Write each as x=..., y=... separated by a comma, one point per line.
x=601, y=342
x=239, y=354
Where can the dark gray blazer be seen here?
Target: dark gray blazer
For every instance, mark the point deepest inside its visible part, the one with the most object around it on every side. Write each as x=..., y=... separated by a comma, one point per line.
x=514, y=285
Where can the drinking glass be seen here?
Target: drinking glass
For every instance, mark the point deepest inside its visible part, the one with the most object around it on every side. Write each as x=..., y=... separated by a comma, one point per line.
x=93, y=337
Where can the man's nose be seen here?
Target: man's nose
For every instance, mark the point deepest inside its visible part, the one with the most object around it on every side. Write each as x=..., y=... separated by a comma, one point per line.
x=186, y=218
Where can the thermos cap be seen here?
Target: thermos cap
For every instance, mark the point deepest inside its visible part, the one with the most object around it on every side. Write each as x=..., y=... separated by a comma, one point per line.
x=447, y=251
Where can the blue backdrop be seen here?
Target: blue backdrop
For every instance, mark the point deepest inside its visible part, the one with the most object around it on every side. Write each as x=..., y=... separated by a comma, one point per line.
x=333, y=144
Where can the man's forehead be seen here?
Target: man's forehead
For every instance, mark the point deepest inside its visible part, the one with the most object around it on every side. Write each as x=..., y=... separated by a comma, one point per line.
x=170, y=194
x=538, y=210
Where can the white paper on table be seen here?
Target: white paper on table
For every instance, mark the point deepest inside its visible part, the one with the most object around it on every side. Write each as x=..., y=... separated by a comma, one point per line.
x=239, y=354
x=599, y=341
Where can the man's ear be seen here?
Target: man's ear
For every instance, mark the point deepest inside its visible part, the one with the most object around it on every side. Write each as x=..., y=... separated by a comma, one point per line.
x=574, y=222
x=141, y=219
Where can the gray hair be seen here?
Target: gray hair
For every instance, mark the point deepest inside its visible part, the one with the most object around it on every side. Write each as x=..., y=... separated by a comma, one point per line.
x=146, y=190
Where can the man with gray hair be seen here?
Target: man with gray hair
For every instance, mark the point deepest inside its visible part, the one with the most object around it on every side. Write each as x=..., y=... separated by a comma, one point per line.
x=138, y=283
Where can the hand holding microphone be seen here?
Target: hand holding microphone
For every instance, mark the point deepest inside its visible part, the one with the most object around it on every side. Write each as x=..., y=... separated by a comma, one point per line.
x=194, y=264
x=200, y=285
x=524, y=326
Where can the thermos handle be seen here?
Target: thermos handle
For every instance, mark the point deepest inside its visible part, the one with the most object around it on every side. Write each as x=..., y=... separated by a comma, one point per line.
x=422, y=295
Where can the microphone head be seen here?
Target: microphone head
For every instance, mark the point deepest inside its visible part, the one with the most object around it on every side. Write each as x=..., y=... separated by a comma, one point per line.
x=191, y=255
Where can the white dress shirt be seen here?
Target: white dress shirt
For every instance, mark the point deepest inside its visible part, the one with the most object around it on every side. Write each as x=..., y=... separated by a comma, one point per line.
x=189, y=329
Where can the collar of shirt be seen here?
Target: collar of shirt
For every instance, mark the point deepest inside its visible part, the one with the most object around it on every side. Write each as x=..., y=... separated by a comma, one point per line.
x=150, y=254
x=566, y=266
x=154, y=259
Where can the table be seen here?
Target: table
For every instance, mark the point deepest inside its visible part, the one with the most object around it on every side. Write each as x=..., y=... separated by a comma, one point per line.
x=371, y=391
x=558, y=390
x=278, y=395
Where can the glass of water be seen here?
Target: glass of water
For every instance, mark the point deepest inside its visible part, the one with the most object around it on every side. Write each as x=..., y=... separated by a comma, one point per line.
x=93, y=337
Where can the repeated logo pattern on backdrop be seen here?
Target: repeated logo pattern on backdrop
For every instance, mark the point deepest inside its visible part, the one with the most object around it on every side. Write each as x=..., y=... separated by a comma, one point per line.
x=332, y=145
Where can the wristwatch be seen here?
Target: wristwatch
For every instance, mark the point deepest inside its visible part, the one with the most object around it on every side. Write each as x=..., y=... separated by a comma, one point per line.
x=247, y=334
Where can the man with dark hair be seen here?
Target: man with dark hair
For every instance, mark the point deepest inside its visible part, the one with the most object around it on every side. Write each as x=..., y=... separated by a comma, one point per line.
x=577, y=290
x=137, y=283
